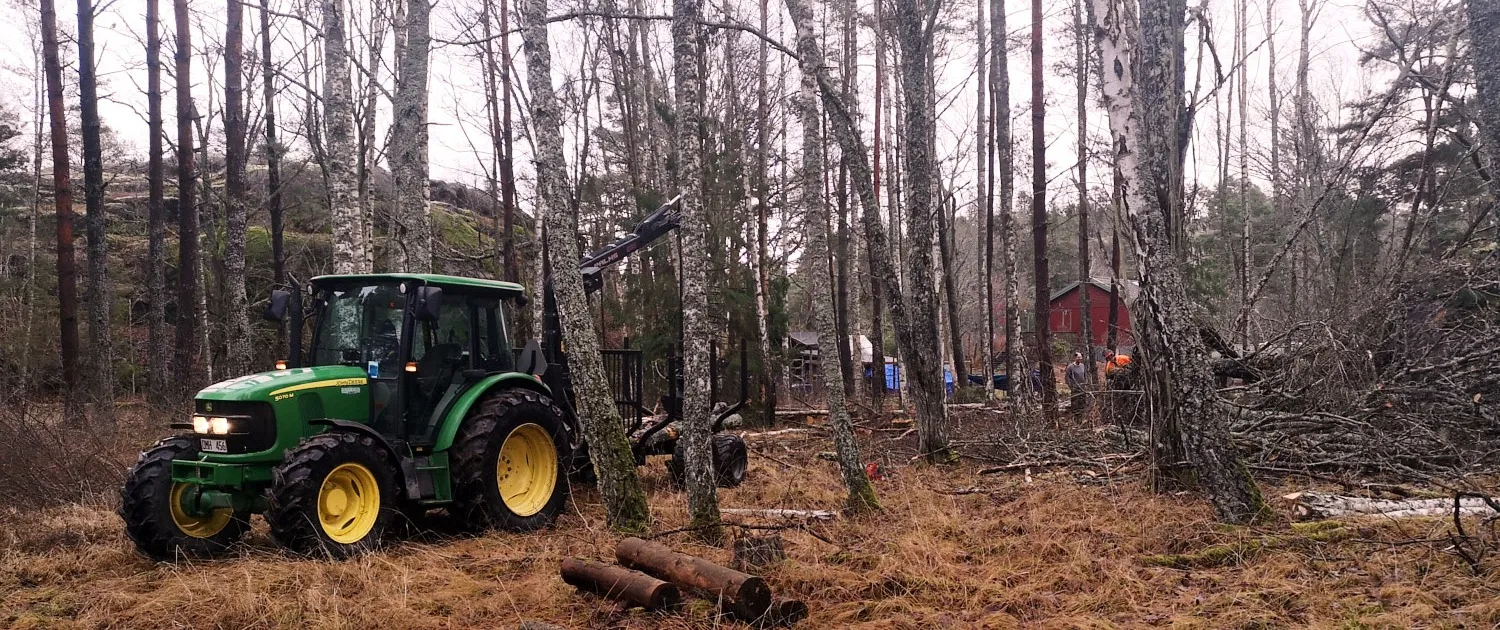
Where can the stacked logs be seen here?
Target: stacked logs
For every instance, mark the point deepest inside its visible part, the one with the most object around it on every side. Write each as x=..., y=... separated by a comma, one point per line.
x=654, y=577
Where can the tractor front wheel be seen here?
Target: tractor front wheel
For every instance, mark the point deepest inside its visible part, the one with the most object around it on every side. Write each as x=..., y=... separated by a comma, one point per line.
x=158, y=512
x=508, y=468
x=334, y=494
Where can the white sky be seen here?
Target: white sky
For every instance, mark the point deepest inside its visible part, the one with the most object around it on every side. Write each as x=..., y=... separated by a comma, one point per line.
x=459, y=135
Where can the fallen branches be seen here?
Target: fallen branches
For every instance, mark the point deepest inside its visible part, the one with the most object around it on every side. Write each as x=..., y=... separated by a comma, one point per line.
x=782, y=514
x=1318, y=505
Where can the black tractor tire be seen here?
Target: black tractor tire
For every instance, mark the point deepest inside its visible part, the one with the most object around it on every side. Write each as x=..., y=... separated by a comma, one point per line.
x=363, y=468
x=536, y=423
x=731, y=458
x=146, y=507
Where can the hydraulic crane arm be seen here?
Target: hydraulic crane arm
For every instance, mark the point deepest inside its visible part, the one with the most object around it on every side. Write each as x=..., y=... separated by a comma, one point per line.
x=656, y=225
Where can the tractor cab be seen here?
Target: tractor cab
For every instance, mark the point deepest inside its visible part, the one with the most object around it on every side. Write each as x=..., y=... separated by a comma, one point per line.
x=422, y=340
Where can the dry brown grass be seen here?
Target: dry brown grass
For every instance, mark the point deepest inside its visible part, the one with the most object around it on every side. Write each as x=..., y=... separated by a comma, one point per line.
x=1051, y=553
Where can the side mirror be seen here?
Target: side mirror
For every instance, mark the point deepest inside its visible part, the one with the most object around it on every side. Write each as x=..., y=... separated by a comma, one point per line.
x=276, y=307
x=429, y=303
x=522, y=300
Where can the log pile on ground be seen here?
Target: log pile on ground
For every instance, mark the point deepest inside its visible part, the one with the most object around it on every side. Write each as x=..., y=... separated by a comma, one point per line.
x=653, y=576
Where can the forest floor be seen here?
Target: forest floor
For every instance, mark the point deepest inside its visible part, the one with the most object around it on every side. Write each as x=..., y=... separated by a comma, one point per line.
x=1048, y=547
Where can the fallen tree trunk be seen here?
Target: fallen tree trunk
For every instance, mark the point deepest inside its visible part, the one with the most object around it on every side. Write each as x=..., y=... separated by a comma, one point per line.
x=620, y=583
x=741, y=594
x=786, y=515
x=1318, y=505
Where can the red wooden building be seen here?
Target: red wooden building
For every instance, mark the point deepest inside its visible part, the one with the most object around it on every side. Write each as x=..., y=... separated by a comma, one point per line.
x=1067, y=315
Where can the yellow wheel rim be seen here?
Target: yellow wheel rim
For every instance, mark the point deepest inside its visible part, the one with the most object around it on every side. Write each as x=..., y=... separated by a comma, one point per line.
x=526, y=470
x=348, y=503
x=204, y=526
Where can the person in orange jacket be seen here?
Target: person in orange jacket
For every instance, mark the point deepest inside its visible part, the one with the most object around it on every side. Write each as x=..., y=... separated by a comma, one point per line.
x=1113, y=361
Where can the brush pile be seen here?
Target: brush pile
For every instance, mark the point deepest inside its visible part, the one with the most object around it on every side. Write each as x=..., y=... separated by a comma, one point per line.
x=1408, y=386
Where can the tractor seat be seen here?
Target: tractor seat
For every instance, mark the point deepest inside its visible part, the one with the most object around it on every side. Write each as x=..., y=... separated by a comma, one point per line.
x=435, y=368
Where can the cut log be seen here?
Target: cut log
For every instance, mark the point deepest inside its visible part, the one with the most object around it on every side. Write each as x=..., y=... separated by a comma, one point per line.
x=740, y=594
x=768, y=434
x=757, y=553
x=1310, y=505
x=785, y=515
x=620, y=583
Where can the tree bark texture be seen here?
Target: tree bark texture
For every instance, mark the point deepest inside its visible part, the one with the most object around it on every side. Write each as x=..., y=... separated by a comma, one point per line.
x=1085, y=273
x=236, y=193
x=949, y=276
x=984, y=208
x=861, y=492
x=632, y=587
x=158, y=359
x=187, y=373
x=1484, y=50
x=413, y=241
x=1145, y=139
x=745, y=595
x=273, y=149
x=1003, y=143
x=609, y=449
x=923, y=361
x=62, y=195
x=338, y=144
x=100, y=293
x=703, y=501
x=1043, y=295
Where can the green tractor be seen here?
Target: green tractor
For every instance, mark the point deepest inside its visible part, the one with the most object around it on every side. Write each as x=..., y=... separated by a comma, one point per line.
x=411, y=397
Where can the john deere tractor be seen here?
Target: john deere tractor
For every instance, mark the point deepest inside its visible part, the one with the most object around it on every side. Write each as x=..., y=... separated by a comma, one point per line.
x=411, y=397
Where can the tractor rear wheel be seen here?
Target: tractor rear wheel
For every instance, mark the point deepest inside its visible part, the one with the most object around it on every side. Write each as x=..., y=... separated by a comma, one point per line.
x=731, y=458
x=157, y=520
x=334, y=494
x=508, y=470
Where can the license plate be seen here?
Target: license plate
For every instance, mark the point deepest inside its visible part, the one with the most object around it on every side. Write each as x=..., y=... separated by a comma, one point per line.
x=213, y=446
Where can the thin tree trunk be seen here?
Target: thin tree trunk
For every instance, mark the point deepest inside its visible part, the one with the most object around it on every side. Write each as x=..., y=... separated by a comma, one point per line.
x=1016, y=369
x=1043, y=295
x=768, y=371
x=1241, y=26
x=39, y=117
x=100, y=295
x=1085, y=274
x=158, y=352
x=877, y=322
x=62, y=195
x=861, y=492
x=949, y=275
x=625, y=502
x=236, y=191
x=703, y=500
x=983, y=205
x=365, y=153
x=338, y=145
x=187, y=373
x=409, y=144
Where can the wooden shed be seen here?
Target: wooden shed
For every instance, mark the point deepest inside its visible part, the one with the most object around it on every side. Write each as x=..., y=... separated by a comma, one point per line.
x=1067, y=311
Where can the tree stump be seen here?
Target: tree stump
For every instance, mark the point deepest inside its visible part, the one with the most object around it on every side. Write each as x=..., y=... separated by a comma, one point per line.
x=753, y=554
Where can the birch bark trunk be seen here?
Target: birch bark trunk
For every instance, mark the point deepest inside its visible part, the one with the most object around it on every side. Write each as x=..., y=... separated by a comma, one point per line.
x=1144, y=135
x=348, y=236
x=703, y=500
x=409, y=144
x=609, y=449
x=1484, y=50
x=861, y=492
x=1018, y=379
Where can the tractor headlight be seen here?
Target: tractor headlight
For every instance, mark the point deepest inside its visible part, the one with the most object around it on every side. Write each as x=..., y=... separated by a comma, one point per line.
x=200, y=424
x=218, y=426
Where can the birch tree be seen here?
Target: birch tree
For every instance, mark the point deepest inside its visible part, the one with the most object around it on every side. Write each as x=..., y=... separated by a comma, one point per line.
x=703, y=501
x=1144, y=134
x=1003, y=147
x=609, y=449
x=861, y=492
x=413, y=240
x=914, y=34
x=1085, y=273
x=349, y=241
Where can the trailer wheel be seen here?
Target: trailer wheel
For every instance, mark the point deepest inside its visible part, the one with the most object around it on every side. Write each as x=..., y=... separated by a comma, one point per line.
x=731, y=458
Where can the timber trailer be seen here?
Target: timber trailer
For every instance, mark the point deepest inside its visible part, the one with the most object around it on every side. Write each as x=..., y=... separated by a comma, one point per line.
x=411, y=397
